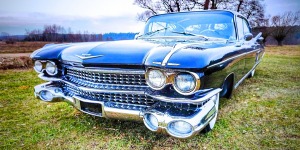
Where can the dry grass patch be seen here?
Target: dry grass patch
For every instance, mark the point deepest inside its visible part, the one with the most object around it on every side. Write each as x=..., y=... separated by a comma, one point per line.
x=15, y=62
x=21, y=47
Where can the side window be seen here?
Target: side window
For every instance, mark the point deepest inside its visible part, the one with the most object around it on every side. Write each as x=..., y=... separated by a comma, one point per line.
x=246, y=26
x=239, y=22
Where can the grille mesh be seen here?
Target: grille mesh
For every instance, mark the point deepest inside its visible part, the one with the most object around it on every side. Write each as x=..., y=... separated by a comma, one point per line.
x=119, y=98
x=107, y=78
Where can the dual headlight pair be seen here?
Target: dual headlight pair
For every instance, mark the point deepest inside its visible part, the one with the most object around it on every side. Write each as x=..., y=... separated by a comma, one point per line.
x=185, y=83
x=49, y=66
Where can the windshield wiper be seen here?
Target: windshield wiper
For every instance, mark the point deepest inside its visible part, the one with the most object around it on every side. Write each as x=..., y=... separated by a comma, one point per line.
x=152, y=32
x=191, y=34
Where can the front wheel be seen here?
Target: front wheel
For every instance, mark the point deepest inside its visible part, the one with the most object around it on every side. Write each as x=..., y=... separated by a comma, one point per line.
x=212, y=123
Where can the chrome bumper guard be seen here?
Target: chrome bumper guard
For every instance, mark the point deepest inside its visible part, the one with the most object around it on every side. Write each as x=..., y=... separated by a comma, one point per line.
x=156, y=118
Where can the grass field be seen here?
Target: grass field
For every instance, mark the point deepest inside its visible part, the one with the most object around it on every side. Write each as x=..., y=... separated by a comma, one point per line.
x=264, y=113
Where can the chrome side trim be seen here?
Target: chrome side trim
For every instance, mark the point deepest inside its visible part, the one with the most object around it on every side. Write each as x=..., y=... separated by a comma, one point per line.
x=231, y=58
x=238, y=83
x=185, y=100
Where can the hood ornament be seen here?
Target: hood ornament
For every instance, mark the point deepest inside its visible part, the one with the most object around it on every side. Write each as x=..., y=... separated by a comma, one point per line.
x=87, y=56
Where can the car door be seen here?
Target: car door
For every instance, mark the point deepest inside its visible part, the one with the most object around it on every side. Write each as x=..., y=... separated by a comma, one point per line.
x=249, y=48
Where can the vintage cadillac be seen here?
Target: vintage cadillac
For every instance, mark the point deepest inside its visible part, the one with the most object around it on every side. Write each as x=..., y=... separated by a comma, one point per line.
x=171, y=76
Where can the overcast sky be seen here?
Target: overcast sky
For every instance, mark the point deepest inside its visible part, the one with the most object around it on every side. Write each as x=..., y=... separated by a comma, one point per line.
x=95, y=16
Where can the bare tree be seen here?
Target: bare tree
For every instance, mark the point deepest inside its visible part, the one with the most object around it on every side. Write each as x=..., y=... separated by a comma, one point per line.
x=154, y=7
x=284, y=24
x=251, y=9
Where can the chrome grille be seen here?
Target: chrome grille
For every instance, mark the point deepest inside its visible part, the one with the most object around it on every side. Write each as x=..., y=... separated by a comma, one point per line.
x=90, y=84
x=106, y=78
x=117, y=98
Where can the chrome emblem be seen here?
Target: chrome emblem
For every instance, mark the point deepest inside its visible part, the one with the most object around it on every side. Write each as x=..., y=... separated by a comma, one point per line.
x=87, y=56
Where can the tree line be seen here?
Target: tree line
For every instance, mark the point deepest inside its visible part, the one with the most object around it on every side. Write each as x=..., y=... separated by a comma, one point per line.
x=57, y=33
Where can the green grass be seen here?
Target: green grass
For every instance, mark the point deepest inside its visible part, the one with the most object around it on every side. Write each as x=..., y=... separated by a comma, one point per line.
x=262, y=114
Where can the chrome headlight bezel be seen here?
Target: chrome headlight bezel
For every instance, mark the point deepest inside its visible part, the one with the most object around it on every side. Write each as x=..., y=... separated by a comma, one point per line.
x=38, y=66
x=174, y=128
x=150, y=81
x=51, y=64
x=194, y=88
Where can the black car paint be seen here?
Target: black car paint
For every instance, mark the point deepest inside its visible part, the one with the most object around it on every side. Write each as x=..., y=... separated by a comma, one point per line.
x=214, y=61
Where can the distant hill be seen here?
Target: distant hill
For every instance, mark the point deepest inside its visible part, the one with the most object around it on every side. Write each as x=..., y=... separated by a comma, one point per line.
x=17, y=37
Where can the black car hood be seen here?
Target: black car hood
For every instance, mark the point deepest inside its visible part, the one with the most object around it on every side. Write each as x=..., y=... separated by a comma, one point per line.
x=128, y=52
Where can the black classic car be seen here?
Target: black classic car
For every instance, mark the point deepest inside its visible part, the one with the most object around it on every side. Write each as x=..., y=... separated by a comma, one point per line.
x=171, y=76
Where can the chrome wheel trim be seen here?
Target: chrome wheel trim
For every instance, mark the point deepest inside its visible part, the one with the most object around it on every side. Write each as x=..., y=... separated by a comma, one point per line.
x=252, y=72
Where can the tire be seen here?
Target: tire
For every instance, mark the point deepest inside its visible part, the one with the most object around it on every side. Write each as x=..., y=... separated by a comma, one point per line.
x=252, y=73
x=227, y=87
x=212, y=123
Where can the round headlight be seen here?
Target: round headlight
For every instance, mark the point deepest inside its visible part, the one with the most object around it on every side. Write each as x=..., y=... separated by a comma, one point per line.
x=180, y=129
x=51, y=68
x=151, y=122
x=185, y=83
x=155, y=79
x=38, y=66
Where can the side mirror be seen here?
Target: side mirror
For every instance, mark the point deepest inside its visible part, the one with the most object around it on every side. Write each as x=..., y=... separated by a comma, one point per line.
x=136, y=35
x=260, y=40
x=248, y=36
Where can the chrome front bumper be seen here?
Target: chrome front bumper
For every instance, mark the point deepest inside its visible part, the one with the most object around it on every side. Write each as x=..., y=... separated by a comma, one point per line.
x=165, y=115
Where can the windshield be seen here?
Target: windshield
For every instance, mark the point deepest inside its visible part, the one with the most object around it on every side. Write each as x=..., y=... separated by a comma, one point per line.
x=206, y=24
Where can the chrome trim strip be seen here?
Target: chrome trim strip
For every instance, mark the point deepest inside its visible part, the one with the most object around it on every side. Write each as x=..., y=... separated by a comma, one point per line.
x=87, y=57
x=158, y=63
x=185, y=100
x=244, y=77
x=173, y=64
x=175, y=49
x=101, y=90
x=231, y=58
x=102, y=70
